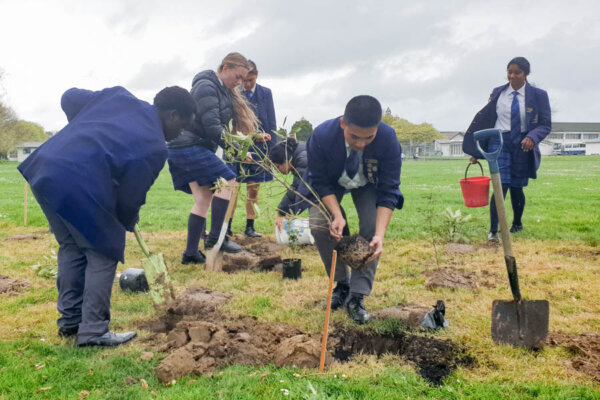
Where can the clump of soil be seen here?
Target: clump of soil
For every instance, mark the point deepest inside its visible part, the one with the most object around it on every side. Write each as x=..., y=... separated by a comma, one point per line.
x=258, y=254
x=450, y=278
x=585, y=347
x=434, y=358
x=12, y=287
x=200, y=347
x=409, y=314
x=354, y=251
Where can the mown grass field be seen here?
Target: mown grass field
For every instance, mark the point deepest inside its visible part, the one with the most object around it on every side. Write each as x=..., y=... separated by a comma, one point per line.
x=558, y=256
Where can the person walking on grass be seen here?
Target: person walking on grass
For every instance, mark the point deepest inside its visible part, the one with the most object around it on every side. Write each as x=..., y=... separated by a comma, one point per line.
x=90, y=180
x=523, y=113
x=194, y=166
x=360, y=154
x=261, y=99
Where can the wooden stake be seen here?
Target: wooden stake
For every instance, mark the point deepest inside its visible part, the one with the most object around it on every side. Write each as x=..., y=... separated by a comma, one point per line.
x=327, y=311
x=25, y=206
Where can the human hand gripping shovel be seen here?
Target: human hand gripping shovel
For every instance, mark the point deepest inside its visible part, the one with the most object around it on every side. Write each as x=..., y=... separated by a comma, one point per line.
x=517, y=322
x=155, y=269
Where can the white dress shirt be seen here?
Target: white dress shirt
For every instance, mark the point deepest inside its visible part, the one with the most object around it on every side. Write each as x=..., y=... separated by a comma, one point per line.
x=503, y=108
x=359, y=179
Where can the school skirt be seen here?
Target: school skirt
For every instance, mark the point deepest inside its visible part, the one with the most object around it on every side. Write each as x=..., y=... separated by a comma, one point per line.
x=196, y=164
x=504, y=164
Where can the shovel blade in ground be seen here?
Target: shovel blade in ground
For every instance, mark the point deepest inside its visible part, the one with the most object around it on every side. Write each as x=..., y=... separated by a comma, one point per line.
x=520, y=323
x=158, y=278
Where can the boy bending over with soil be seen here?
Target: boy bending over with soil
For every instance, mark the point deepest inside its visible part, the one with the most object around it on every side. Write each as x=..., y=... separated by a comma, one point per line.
x=90, y=180
x=356, y=153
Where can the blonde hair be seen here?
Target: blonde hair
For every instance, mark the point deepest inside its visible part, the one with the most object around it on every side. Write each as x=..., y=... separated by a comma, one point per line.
x=244, y=118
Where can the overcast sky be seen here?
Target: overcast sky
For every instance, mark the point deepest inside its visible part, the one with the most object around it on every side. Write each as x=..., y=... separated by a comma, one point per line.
x=429, y=61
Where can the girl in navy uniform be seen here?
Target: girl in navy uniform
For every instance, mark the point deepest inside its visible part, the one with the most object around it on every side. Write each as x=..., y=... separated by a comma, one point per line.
x=523, y=113
x=194, y=166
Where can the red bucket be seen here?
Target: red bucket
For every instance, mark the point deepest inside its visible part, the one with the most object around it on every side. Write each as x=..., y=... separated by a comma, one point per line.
x=475, y=190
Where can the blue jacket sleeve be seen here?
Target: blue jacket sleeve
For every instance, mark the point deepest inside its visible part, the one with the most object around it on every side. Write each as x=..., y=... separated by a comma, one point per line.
x=544, y=126
x=317, y=166
x=136, y=178
x=388, y=194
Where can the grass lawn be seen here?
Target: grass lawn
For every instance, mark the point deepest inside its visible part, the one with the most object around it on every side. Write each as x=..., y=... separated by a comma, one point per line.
x=557, y=253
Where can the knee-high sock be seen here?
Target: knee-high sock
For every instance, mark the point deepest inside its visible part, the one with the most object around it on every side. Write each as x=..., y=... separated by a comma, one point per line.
x=517, y=199
x=493, y=212
x=196, y=225
x=218, y=211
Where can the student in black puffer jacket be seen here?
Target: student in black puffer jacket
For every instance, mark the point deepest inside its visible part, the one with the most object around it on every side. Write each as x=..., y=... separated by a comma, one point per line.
x=194, y=166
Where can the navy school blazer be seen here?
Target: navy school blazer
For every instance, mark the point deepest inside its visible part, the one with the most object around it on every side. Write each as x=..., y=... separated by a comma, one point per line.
x=382, y=162
x=262, y=101
x=96, y=171
x=539, y=124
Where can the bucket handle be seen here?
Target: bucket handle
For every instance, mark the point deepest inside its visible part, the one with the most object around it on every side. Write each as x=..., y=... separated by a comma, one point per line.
x=469, y=164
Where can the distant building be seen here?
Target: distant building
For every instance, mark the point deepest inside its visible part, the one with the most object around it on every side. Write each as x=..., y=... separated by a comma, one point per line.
x=572, y=137
x=592, y=147
x=451, y=146
x=23, y=150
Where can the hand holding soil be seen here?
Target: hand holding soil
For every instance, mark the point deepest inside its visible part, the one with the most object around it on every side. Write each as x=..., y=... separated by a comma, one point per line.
x=355, y=251
x=336, y=227
x=377, y=246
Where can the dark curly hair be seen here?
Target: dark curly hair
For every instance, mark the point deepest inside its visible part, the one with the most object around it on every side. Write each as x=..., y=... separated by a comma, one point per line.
x=283, y=151
x=175, y=98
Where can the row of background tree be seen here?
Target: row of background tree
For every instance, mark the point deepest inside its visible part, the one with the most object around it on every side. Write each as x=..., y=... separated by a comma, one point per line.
x=407, y=132
x=14, y=130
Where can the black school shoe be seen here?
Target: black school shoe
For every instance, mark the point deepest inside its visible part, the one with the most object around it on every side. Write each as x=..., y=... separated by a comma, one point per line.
x=250, y=232
x=68, y=332
x=109, y=339
x=516, y=228
x=357, y=311
x=198, y=258
x=339, y=296
x=228, y=246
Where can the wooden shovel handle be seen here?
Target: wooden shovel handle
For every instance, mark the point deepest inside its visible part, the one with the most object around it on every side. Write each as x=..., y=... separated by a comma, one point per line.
x=327, y=311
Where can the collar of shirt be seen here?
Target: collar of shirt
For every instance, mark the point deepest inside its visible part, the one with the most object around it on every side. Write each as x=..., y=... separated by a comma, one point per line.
x=220, y=81
x=251, y=91
x=359, y=179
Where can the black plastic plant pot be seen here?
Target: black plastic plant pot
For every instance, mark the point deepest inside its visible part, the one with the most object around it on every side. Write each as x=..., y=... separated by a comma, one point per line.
x=134, y=279
x=292, y=268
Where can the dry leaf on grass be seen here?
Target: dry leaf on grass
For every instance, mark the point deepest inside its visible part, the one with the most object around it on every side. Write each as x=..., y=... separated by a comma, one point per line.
x=43, y=389
x=144, y=383
x=84, y=394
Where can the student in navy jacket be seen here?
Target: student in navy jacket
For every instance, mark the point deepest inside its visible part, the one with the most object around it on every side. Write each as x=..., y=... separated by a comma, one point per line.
x=91, y=179
x=356, y=153
x=261, y=99
x=523, y=113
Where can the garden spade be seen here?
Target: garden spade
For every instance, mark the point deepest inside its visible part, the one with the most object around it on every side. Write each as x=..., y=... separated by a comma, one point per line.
x=214, y=257
x=517, y=322
x=155, y=270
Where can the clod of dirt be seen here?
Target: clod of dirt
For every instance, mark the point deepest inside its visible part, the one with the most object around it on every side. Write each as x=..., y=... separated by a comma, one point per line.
x=409, y=314
x=459, y=248
x=585, y=347
x=450, y=278
x=258, y=254
x=434, y=358
x=12, y=287
x=354, y=251
x=201, y=347
x=303, y=351
x=194, y=301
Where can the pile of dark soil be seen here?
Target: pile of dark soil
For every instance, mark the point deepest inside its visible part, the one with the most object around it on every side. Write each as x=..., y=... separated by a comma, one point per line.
x=354, y=251
x=12, y=287
x=450, y=278
x=585, y=348
x=201, y=339
x=435, y=359
x=261, y=254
